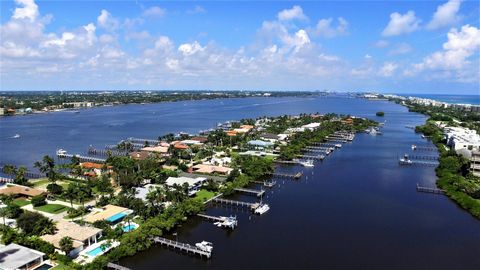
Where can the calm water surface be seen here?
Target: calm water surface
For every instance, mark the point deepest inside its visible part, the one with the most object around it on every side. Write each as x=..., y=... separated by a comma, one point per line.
x=358, y=209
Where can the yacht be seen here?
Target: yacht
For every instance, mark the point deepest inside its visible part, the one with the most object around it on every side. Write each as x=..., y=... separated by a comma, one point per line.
x=414, y=147
x=307, y=163
x=205, y=246
x=338, y=145
x=270, y=183
x=61, y=152
x=262, y=209
x=16, y=136
x=405, y=160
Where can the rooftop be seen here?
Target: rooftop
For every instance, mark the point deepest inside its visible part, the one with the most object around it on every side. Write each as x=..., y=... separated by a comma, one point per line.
x=21, y=190
x=72, y=230
x=107, y=212
x=15, y=256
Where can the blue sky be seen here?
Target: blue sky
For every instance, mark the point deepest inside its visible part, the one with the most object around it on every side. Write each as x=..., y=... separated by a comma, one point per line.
x=386, y=46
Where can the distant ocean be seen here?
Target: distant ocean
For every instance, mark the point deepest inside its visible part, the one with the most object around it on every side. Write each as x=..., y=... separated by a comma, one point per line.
x=457, y=99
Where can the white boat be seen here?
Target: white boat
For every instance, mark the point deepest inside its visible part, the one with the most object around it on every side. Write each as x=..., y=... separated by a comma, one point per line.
x=205, y=246
x=262, y=209
x=16, y=136
x=338, y=145
x=61, y=152
x=405, y=160
x=307, y=163
x=414, y=147
x=270, y=183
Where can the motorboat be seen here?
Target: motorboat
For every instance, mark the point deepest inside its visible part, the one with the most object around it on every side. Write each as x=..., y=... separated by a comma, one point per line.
x=16, y=136
x=270, y=183
x=262, y=209
x=205, y=246
x=405, y=160
x=307, y=163
x=414, y=147
x=61, y=152
x=338, y=145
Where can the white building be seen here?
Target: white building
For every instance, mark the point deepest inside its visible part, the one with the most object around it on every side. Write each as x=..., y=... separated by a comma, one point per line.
x=194, y=184
x=462, y=138
x=15, y=257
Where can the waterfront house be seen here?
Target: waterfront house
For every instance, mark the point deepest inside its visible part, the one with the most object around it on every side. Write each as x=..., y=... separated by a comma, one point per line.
x=209, y=169
x=14, y=257
x=82, y=236
x=194, y=184
x=259, y=145
x=18, y=191
x=92, y=169
x=199, y=139
x=311, y=126
x=139, y=155
x=162, y=150
x=180, y=146
x=269, y=137
x=110, y=213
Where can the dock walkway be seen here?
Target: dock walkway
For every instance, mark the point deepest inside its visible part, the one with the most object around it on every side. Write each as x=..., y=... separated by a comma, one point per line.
x=430, y=190
x=82, y=158
x=287, y=175
x=258, y=193
x=181, y=246
x=252, y=206
x=116, y=266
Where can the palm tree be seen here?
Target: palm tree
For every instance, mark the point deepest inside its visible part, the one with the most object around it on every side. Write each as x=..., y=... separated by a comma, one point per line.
x=47, y=166
x=70, y=193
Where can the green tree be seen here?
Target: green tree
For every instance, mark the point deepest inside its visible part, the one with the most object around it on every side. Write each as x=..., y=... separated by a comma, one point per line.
x=38, y=200
x=66, y=244
x=32, y=223
x=47, y=166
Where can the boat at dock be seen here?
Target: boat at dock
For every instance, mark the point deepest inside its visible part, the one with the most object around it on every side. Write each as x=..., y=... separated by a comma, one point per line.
x=61, y=152
x=16, y=136
x=226, y=222
x=262, y=209
x=307, y=163
x=205, y=246
x=270, y=183
x=405, y=160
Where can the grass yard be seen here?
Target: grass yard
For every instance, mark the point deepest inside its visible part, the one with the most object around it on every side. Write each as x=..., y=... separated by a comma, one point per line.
x=40, y=182
x=52, y=208
x=21, y=202
x=205, y=194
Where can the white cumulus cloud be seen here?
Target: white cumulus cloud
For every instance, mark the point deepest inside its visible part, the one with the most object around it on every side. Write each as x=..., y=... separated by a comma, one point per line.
x=154, y=12
x=325, y=28
x=445, y=15
x=29, y=10
x=295, y=13
x=401, y=24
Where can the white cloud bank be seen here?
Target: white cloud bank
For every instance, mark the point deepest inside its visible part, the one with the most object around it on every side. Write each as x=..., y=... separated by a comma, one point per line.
x=445, y=15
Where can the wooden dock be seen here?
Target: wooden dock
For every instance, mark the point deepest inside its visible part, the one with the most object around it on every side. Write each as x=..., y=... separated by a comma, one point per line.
x=319, y=157
x=142, y=141
x=82, y=158
x=258, y=193
x=423, y=157
x=220, y=219
x=107, y=152
x=189, y=249
x=252, y=206
x=288, y=162
x=116, y=266
x=286, y=175
x=6, y=180
x=430, y=190
x=28, y=174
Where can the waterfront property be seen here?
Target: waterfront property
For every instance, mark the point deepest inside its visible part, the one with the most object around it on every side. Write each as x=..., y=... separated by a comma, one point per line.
x=18, y=191
x=110, y=213
x=14, y=257
x=89, y=254
x=82, y=236
x=211, y=169
x=194, y=184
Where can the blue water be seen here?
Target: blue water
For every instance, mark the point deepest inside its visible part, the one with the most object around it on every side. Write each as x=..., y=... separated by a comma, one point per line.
x=455, y=99
x=116, y=217
x=96, y=251
x=358, y=209
x=129, y=228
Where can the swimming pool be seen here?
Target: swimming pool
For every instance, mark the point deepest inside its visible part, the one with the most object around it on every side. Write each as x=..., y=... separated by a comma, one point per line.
x=96, y=251
x=129, y=228
x=44, y=267
x=116, y=217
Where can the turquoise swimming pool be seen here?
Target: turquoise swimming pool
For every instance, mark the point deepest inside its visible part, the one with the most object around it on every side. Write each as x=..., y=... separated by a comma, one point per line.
x=116, y=217
x=96, y=251
x=129, y=228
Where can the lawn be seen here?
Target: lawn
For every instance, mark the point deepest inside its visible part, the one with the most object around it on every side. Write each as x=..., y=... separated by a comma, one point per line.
x=21, y=202
x=40, y=182
x=52, y=208
x=205, y=194
x=61, y=267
